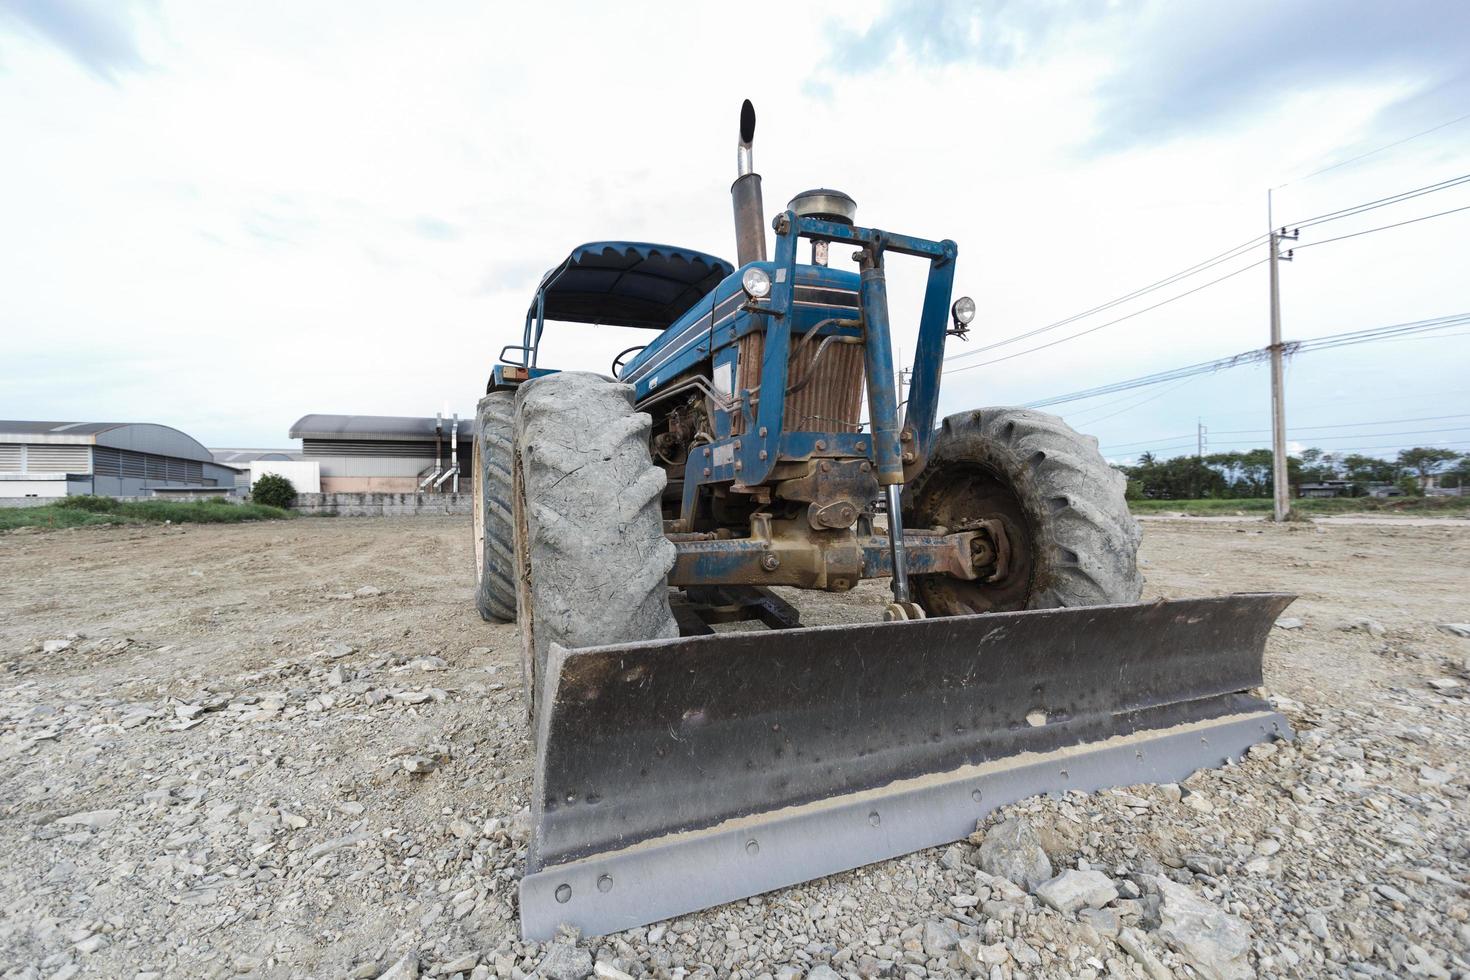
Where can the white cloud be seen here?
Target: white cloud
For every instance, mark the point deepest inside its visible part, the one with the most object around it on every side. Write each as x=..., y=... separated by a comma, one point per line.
x=345, y=208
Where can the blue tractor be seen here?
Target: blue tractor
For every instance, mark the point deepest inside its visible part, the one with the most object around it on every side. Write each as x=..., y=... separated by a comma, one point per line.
x=758, y=441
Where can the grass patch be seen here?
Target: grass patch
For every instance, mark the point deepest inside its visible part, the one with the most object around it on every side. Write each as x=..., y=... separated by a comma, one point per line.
x=87, y=510
x=1445, y=506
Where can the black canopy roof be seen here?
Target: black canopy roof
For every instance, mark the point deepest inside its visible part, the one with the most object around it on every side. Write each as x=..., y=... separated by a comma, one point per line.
x=629, y=284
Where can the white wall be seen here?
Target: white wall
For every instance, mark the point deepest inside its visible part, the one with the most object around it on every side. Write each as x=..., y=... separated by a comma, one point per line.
x=32, y=488
x=304, y=474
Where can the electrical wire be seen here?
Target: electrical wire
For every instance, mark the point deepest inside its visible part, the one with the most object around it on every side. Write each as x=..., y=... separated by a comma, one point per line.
x=1149, y=442
x=1252, y=356
x=1382, y=202
x=1369, y=231
x=1144, y=401
x=1342, y=425
x=1100, y=326
x=1198, y=267
x=1214, y=261
x=1364, y=156
x=1360, y=435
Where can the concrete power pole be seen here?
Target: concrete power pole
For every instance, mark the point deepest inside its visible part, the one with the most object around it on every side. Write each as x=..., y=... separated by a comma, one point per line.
x=1199, y=453
x=1280, y=485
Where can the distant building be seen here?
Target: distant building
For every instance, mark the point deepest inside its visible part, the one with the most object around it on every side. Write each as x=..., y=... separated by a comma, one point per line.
x=239, y=460
x=115, y=459
x=1384, y=490
x=1327, y=488
x=387, y=453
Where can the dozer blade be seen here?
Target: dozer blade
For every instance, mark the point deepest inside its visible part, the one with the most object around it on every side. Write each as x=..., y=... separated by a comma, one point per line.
x=678, y=774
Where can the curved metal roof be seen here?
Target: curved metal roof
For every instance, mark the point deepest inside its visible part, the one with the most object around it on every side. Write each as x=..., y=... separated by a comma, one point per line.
x=142, y=437
x=238, y=457
x=629, y=284
x=385, y=427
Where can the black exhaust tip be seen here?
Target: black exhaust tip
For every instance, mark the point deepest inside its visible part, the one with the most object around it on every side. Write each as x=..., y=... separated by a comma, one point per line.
x=747, y=122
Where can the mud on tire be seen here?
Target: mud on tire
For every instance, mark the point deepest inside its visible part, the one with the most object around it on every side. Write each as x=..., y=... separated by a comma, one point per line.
x=592, y=559
x=495, y=586
x=1073, y=540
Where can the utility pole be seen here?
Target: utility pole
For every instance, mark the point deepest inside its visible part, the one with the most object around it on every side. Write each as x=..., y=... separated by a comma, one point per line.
x=1199, y=453
x=1279, y=479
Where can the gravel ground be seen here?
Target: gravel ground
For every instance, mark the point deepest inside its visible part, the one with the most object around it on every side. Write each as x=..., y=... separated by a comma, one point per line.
x=293, y=750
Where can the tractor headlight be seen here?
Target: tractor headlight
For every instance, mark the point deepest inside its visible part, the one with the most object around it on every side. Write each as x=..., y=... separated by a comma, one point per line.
x=963, y=310
x=756, y=283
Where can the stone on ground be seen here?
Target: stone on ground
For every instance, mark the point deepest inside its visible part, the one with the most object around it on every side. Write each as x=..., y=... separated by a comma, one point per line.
x=1010, y=850
x=1072, y=890
x=1214, y=942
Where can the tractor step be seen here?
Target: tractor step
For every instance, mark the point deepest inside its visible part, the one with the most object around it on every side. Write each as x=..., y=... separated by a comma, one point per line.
x=678, y=774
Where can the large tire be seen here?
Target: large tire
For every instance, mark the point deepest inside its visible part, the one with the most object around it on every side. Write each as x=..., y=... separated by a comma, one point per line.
x=590, y=549
x=495, y=584
x=1072, y=539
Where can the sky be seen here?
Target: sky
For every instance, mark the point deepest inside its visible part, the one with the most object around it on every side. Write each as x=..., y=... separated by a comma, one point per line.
x=225, y=216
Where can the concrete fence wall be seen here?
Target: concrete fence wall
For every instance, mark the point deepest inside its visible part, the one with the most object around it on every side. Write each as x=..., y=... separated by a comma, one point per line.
x=382, y=504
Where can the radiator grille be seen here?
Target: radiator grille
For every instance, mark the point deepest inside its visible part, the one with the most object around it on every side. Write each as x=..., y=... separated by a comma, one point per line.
x=830, y=402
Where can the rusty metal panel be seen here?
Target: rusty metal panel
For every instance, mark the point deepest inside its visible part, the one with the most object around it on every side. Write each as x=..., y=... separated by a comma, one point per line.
x=830, y=402
x=750, y=349
x=644, y=744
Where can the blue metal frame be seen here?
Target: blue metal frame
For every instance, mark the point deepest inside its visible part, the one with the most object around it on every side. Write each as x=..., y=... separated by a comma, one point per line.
x=801, y=297
x=897, y=447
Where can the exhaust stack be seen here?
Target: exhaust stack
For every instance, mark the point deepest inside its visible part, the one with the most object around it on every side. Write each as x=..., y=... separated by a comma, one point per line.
x=750, y=218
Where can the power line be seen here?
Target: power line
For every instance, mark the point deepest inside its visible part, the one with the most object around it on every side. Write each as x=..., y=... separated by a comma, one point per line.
x=1148, y=442
x=1144, y=401
x=1342, y=425
x=1396, y=224
x=1206, y=264
x=1382, y=202
x=1361, y=435
x=1364, y=156
x=1142, y=290
x=1253, y=356
x=1100, y=326
x=1399, y=445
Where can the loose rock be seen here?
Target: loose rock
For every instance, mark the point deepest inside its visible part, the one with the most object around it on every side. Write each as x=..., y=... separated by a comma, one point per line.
x=1072, y=890
x=1213, y=942
x=1011, y=850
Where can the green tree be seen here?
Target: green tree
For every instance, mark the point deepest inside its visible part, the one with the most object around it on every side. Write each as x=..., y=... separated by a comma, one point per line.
x=1363, y=470
x=273, y=490
x=1424, y=461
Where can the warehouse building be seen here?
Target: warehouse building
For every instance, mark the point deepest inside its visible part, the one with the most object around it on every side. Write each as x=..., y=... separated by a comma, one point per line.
x=387, y=453
x=116, y=459
x=241, y=461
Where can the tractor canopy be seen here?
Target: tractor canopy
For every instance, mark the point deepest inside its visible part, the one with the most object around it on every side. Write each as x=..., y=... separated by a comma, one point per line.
x=626, y=284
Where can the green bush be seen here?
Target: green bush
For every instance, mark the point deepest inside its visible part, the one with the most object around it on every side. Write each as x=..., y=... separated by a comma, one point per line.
x=90, y=503
x=273, y=490
x=219, y=500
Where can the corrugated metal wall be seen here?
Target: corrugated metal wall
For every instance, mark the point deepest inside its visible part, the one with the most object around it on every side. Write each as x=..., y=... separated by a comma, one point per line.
x=27, y=458
x=146, y=466
x=383, y=448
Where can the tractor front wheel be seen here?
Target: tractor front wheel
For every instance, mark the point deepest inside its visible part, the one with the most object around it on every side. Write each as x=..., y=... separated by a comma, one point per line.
x=591, y=555
x=1072, y=540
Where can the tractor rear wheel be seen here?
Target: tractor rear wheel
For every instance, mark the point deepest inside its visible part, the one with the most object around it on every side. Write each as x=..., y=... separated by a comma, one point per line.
x=1072, y=540
x=495, y=586
x=592, y=559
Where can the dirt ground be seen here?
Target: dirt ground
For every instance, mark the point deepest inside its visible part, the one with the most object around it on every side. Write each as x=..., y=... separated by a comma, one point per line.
x=293, y=749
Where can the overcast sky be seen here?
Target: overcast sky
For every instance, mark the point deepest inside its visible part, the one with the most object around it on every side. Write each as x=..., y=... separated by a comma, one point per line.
x=223, y=216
